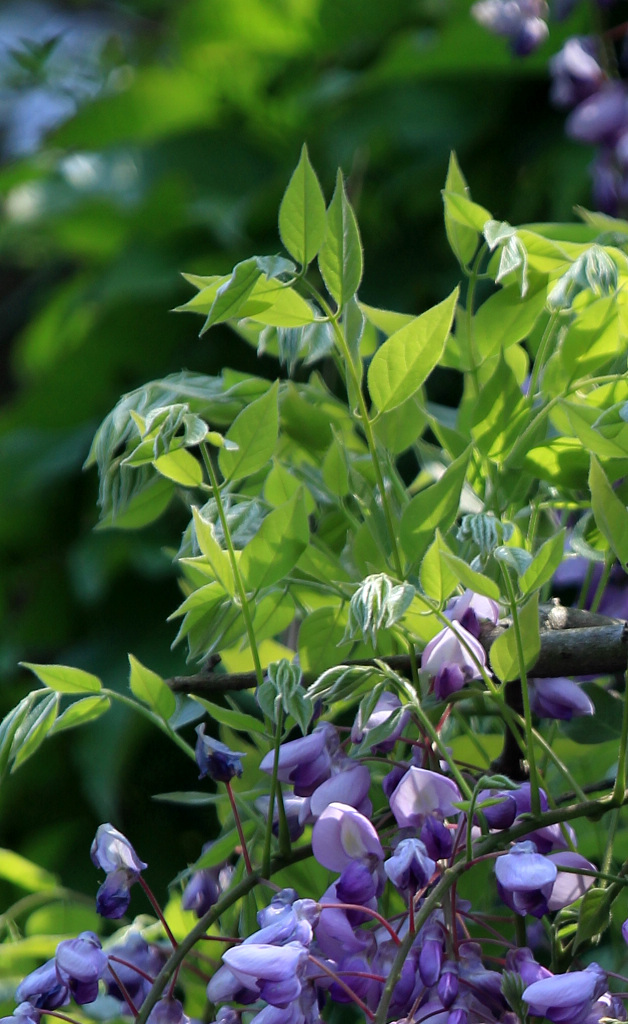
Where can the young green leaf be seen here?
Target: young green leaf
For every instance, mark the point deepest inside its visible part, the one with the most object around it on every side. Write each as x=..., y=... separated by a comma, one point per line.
x=438, y=581
x=611, y=515
x=80, y=712
x=217, y=558
x=181, y=467
x=254, y=430
x=277, y=546
x=34, y=728
x=150, y=688
x=469, y=577
x=234, y=719
x=24, y=873
x=544, y=564
x=403, y=363
x=64, y=678
x=231, y=295
x=302, y=213
x=436, y=506
x=340, y=258
x=463, y=240
x=504, y=655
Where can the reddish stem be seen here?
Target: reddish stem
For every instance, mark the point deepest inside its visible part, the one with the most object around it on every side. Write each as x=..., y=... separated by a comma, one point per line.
x=245, y=852
x=365, y=910
x=343, y=985
x=124, y=990
x=155, y=905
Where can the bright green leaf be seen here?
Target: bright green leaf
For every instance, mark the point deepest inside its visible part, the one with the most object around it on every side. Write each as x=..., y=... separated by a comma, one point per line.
x=611, y=515
x=150, y=688
x=81, y=711
x=302, y=213
x=64, y=678
x=35, y=727
x=22, y=872
x=504, y=657
x=463, y=240
x=437, y=580
x=435, y=507
x=217, y=558
x=469, y=577
x=277, y=546
x=254, y=430
x=340, y=258
x=231, y=295
x=181, y=467
x=401, y=365
x=234, y=719
x=544, y=564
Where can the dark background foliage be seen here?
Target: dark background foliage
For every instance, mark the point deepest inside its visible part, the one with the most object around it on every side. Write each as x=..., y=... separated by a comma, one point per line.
x=142, y=140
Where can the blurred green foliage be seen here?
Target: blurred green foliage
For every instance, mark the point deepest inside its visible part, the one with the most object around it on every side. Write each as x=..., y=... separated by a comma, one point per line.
x=178, y=164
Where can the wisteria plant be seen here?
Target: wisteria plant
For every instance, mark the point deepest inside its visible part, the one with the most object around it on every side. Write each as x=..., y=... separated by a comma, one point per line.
x=421, y=811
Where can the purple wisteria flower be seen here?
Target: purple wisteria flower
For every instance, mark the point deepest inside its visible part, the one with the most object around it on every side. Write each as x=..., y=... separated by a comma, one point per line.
x=274, y=973
x=471, y=609
x=559, y=698
x=566, y=998
x=569, y=886
x=167, y=1011
x=525, y=879
x=521, y=21
x=410, y=868
x=575, y=71
x=25, y=1013
x=205, y=886
x=132, y=959
x=422, y=793
x=453, y=657
x=81, y=964
x=215, y=759
x=306, y=762
x=113, y=852
x=43, y=988
x=342, y=835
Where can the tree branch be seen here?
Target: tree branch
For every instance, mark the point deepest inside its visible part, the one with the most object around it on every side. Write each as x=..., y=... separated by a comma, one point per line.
x=573, y=642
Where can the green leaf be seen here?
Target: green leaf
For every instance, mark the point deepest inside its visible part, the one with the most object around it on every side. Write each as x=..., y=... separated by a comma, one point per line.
x=503, y=654
x=437, y=580
x=609, y=512
x=217, y=558
x=234, y=719
x=35, y=727
x=463, y=240
x=402, y=364
x=81, y=711
x=64, y=678
x=231, y=296
x=254, y=431
x=150, y=688
x=469, y=577
x=277, y=546
x=321, y=639
x=500, y=414
x=22, y=872
x=504, y=319
x=9, y=727
x=181, y=467
x=335, y=468
x=593, y=440
x=340, y=258
x=544, y=564
x=594, y=916
x=435, y=507
x=302, y=213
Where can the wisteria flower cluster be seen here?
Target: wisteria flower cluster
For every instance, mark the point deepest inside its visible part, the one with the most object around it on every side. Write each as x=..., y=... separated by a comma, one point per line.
x=587, y=79
x=420, y=796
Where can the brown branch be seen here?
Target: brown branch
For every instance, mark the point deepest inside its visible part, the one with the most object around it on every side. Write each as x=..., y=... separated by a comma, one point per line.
x=573, y=642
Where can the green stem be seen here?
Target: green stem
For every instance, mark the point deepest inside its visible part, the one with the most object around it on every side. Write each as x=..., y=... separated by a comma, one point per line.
x=535, y=797
x=239, y=582
x=619, y=788
x=153, y=718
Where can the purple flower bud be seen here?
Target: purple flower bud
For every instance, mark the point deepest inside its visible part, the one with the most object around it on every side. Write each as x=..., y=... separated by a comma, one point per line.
x=114, y=895
x=81, y=963
x=167, y=1011
x=410, y=868
x=138, y=956
x=431, y=958
x=215, y=759
x=201, y=892
x=342, y=835
x=356, y=885
x=566, y=998
x=448, y=985
x=601, y=117
x=575, y=72
x=43, y=988
x=624, y=930
x=421, y=793
x=559, y=698
x=521, y=21
x=111, y=851
x=525, y=879
x=306, y=762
